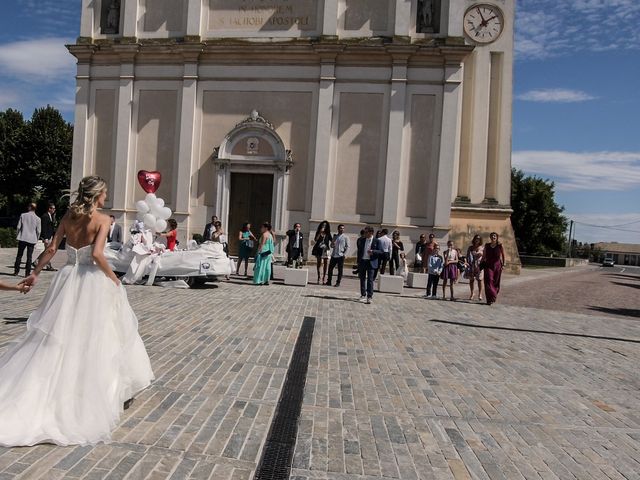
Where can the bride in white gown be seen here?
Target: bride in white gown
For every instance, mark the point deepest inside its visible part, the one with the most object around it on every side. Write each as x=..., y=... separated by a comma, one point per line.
x=65, y=380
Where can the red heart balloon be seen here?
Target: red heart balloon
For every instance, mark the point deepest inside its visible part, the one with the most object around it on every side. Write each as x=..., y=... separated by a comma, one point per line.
x=149, y=181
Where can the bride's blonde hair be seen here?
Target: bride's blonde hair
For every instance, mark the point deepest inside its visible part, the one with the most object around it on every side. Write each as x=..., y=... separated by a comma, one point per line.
x=89, y=189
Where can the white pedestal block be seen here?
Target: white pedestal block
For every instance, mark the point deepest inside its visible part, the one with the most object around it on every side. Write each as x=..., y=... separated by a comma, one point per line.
x=249, y=269
x=296, y=276
x=417, y=280
x=278, y=272
x=390, y=283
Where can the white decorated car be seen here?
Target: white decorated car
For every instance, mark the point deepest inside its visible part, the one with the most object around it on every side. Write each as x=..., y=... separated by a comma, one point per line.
x=206, y=262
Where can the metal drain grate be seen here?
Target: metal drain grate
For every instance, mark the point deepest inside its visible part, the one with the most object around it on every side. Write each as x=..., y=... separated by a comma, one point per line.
x=277, y=454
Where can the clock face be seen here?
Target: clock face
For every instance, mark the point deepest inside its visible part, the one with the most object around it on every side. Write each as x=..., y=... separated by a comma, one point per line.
x=483, y=23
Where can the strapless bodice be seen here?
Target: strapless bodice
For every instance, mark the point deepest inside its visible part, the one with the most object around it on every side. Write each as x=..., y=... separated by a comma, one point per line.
x=79, y=256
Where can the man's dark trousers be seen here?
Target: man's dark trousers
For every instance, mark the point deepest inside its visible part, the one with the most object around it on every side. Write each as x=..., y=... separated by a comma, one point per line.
x=21, y=246
x=367, y=275
x=339, y=261
x=294, y=254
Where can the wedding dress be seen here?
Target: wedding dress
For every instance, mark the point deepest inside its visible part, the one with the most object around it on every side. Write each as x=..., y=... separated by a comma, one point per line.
x=65, y=380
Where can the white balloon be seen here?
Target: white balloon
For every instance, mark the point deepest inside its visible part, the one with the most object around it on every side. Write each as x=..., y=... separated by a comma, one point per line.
x=160, y=202
x=165, y=213
x=149, y=221
x=140, y=216
x=150, y=198
x=142, y=206
x=161, y=225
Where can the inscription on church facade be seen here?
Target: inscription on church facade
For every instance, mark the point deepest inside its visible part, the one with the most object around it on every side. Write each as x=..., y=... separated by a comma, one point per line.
x=263, y=15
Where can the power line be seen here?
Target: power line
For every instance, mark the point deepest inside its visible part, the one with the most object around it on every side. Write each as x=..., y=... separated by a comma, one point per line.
x=609, y=227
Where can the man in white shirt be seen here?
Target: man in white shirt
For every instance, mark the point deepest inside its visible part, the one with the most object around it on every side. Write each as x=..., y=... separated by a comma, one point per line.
x=28, y=234
x=339, y=248
x=368, y=252
x=386, y=246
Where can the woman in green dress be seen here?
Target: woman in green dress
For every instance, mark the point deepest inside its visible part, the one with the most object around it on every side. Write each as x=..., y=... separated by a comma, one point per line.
x=262, y=269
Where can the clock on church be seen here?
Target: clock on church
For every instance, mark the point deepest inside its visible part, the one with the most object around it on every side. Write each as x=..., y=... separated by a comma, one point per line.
x=483, y=23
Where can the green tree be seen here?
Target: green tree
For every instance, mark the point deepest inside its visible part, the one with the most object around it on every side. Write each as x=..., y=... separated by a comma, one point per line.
x=537, y=219
x=35, y=159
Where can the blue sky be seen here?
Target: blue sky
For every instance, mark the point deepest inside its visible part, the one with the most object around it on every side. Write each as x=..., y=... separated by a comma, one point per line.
x=576, y=107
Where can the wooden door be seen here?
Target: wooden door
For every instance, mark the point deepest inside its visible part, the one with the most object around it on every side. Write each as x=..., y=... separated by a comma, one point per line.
x=250, y=200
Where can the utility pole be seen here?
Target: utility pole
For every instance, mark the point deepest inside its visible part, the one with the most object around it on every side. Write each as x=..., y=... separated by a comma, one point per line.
x=570, y=233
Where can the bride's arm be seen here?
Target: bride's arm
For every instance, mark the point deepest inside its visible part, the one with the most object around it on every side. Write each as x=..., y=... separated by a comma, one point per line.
x=98, y=250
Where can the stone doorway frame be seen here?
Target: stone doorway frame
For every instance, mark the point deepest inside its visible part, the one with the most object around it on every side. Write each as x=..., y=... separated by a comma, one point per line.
x=278, y=164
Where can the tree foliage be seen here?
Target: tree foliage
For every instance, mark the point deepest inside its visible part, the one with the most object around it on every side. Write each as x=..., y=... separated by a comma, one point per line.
x=537, y=219
x=35, y=159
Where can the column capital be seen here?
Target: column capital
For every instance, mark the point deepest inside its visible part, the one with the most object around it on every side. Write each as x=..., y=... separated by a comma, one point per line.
x=82, y=52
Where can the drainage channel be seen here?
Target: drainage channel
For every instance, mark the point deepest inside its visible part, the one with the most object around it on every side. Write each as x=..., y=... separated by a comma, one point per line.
x=277, y=454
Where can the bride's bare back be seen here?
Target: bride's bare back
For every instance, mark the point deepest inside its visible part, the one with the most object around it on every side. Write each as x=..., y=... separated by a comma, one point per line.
x=83, y=230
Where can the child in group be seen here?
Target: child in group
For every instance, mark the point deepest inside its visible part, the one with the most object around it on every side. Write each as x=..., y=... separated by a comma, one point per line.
x=435, y=265
x=403, y=268
x=19, y=287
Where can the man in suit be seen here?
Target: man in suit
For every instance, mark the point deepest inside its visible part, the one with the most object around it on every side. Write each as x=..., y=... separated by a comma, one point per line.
x=209, y=229
x=115, y=233
x=48, y=222
x=339, y=249
x=28, y=234
x=369, y=251
x=295, y=248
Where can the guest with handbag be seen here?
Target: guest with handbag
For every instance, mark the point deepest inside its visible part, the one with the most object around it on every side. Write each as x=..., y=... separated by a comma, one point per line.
x=247, y=245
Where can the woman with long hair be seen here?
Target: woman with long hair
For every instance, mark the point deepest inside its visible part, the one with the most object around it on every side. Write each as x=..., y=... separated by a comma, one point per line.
x=171, y=235
x=474, y=270
x=492, y=263
x=246, y=239
x=66, y=380
x=264, y=257
x=322, y=248
x=397, y=248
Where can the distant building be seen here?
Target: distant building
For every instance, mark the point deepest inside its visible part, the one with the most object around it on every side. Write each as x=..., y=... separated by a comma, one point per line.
x=622, y=253
x=383, y=112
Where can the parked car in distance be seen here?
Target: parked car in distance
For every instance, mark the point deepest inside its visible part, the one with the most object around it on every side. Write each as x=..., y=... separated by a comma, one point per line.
x=608, y=262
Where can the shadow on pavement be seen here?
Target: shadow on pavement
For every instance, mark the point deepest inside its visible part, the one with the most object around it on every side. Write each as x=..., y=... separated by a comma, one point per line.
x=625, y=312
x=631, y=285
x=330, y=297
x=622, y=276
x=542, y=332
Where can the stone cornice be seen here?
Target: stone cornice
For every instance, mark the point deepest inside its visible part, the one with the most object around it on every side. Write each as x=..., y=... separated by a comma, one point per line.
x=369, y=51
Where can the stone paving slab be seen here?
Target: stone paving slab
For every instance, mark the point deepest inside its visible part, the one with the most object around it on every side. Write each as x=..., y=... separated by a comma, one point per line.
x=403, y=388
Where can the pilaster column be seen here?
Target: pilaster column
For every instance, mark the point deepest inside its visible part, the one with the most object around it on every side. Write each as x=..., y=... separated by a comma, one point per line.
x=187, y=122
x=124, y=168
x=449, y=136
x=330, y=18
x=194, y=18
x=321, y=181
x=80, y=159
x=403, y=18
x=395, y=139
x=130, y=24
x=87, y=18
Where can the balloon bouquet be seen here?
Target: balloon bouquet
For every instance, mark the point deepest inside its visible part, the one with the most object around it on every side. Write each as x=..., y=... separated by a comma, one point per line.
x=152, y=218
x=151, y=210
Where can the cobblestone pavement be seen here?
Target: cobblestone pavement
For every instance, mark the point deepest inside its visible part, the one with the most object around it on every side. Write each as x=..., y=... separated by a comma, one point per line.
x=588, y=289
x=403, y=388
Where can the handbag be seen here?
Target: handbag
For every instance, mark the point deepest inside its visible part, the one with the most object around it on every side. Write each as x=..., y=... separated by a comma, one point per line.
x=248, y=243
x=418, y=258
x=265, y=254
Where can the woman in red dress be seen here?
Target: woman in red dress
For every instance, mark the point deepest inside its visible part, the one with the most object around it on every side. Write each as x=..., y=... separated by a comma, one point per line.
x=493, y=262
x=171, y=235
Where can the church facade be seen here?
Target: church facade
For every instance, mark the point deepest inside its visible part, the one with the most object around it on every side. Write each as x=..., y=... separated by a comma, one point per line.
x=383, y=112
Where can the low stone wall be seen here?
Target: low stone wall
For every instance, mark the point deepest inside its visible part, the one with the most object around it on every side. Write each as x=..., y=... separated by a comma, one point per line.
x=552, y=261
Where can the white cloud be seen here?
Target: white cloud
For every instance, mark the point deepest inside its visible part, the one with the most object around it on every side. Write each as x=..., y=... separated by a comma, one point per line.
x=38, y=60
x=601, y=171
x=555, y=95
x=548, y=28
x=607, y=227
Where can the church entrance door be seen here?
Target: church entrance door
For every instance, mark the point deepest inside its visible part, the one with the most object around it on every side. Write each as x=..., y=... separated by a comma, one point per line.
x=250, y=200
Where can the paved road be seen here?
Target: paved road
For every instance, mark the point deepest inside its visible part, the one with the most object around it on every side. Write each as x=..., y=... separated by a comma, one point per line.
x=612, y=292
x=403, y=388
